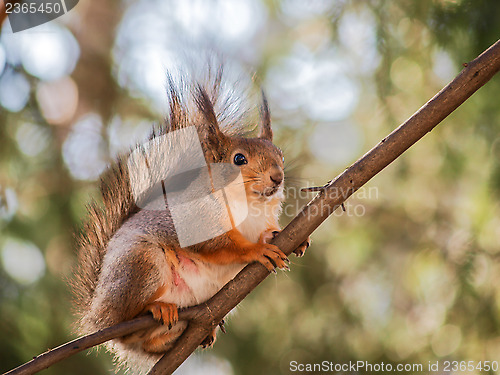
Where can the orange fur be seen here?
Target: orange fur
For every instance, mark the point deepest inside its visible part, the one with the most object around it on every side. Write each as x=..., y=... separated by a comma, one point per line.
x=241, y=250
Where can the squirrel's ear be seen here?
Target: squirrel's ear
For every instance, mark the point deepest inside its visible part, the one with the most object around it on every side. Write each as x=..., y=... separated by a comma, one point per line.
x=211, y=136
x=265, y=130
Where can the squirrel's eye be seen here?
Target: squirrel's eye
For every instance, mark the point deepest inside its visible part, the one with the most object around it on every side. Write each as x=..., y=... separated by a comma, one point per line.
x=240, y=159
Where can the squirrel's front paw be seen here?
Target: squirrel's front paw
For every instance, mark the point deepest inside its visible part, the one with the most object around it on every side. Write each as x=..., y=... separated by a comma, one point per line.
x=270, y=256
x=165, y=313
x=268, y=235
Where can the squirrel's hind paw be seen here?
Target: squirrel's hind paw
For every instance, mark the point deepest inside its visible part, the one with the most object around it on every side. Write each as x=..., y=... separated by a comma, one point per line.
x=299, y=251
x=165, y=313
x=209, y=341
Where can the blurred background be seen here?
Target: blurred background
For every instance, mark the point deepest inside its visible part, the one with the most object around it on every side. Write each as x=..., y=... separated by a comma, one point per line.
x=410, y=273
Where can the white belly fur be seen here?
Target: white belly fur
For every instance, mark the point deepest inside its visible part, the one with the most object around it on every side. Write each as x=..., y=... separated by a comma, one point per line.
x=194, y=281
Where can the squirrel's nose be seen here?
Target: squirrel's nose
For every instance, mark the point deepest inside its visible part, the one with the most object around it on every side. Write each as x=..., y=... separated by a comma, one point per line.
x=276, y=177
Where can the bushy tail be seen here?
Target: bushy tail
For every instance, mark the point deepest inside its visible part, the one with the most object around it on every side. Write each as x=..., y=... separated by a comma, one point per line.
x=104, y=219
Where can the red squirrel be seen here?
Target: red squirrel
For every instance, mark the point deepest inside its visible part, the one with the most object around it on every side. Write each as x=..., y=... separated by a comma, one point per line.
x=130, y=259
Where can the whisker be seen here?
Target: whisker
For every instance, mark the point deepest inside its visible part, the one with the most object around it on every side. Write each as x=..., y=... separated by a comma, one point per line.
x=253, y=170
x=294, y=164
x=252, y=180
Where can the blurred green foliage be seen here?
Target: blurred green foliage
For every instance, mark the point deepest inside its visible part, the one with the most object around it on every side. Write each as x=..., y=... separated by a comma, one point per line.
x=410, y=273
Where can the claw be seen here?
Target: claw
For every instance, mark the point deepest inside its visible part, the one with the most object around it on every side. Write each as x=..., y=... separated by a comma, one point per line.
x=165, y=313
x=270, y=256
x=299, y=251
x=221, y=326
x=209, y=340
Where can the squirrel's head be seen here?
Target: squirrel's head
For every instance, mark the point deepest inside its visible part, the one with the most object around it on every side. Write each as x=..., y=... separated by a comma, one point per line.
x=261, y=165
x=259, y=160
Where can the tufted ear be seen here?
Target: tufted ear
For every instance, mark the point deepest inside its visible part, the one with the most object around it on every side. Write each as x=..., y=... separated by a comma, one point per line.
x=265, y=130
x=178, y=117
x=211, y=137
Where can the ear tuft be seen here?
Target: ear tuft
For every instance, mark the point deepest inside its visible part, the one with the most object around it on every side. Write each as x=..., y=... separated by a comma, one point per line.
x=265, y=130
x=211, y=137
x=177, y=116
x=205, y=106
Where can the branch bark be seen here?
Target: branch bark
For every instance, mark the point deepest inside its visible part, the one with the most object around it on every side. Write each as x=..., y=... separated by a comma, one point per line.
x=203, y=318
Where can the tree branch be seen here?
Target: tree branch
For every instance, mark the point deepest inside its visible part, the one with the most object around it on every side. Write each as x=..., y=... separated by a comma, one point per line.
x=52, y=356
x=475, y=75
x=203, y=318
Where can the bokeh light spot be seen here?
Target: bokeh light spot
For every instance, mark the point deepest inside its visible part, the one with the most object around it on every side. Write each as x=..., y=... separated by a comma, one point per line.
x=225, y=19
x=406, y=74
x=444, y=68
x=8, y=203
x=32, y=139
x=357, y=33
x=49, y=55
x=83, y=150
x=123, y=134
x=299, y=10
x=446, y=340
x=147, y=46
x=335, y=144
x=316, y=84
x=58, y=100
x=14, y=91
x=205, y=365
x=22, y=261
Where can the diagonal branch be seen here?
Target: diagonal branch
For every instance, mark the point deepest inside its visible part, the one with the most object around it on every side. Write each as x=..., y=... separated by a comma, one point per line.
x=203, y=318
x=475, y=75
